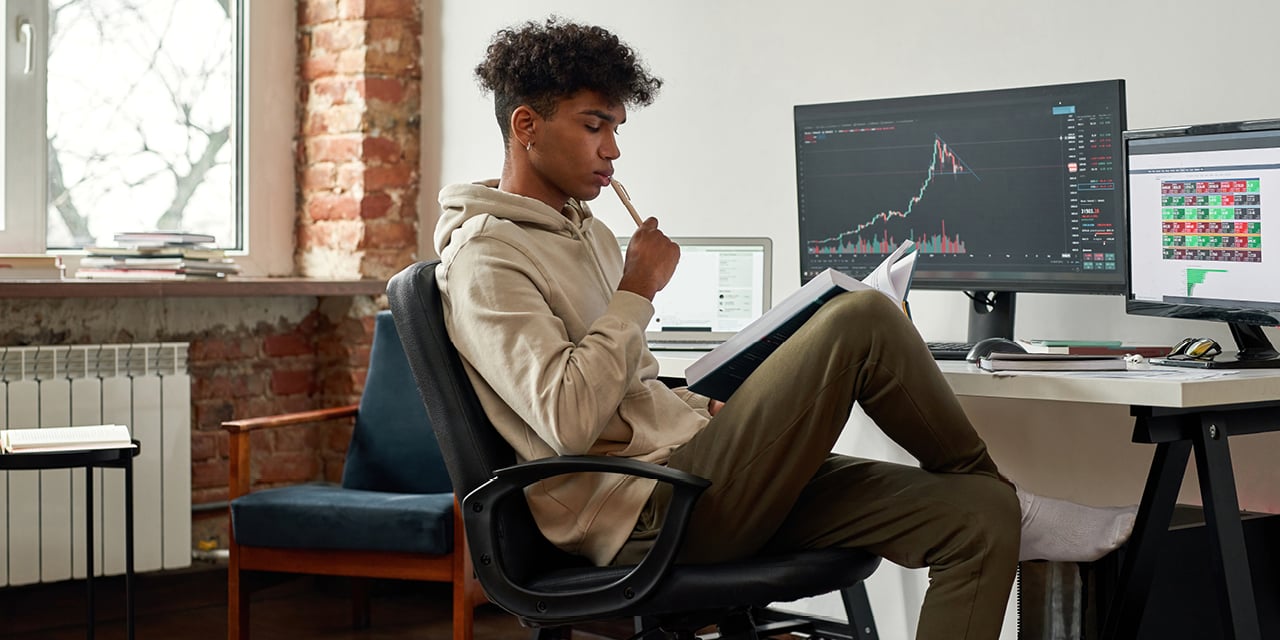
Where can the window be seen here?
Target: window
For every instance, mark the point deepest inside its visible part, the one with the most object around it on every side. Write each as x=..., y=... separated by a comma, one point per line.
x=139, y=103
x=126, y=115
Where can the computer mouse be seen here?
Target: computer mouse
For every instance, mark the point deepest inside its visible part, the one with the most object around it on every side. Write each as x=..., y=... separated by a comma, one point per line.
x=988, y=346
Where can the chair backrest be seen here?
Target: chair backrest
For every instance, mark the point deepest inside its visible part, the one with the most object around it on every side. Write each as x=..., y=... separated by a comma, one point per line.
x=471, y=446
x=393, y=447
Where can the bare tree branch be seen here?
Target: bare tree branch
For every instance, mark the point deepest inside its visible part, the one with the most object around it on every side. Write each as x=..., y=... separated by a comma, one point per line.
x=60, y=198
x=54, y=13
x=185, y=185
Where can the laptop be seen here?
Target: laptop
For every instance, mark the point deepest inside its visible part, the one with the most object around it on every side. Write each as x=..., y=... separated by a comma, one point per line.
x=719, y=287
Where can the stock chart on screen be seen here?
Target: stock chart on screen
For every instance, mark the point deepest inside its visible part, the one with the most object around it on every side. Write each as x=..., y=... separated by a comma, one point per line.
x=1015, y=189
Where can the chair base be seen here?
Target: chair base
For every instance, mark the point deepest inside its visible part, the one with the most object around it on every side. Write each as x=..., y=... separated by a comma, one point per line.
x=749, y=624
x=816, y=627
x=552, y=633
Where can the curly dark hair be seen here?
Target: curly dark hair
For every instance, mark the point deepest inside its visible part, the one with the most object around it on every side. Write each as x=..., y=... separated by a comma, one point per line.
x=537, y=64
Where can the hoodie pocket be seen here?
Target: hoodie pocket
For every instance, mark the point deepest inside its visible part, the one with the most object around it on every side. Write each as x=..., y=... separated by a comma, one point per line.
x=633, y=425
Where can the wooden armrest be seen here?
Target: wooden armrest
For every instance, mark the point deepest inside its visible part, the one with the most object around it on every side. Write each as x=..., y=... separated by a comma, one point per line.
x=238, y=466
x=286, y=419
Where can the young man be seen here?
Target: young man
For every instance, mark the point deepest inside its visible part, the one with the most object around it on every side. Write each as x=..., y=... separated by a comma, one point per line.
x=549, y=321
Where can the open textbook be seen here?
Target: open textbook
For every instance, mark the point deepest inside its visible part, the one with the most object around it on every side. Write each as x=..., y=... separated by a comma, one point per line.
x=51, y=439
x=719, y=373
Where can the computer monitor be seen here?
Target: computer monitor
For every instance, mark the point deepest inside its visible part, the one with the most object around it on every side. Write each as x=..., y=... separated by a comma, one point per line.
x=720, y=286
x=1003, y=191
x=1199, y=243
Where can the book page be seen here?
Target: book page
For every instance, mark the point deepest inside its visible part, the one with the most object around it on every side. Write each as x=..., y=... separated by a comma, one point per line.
x=893, y=276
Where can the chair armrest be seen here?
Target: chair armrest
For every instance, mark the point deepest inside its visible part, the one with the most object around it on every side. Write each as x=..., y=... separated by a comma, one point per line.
x=482, y=525
x=238, y=480
x=527, y=473
x=287, y=419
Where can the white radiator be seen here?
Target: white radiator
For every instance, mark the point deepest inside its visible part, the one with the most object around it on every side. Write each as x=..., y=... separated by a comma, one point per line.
x=42, y=518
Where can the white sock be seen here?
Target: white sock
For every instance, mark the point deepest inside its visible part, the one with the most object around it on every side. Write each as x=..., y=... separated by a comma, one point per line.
x=1062, y=531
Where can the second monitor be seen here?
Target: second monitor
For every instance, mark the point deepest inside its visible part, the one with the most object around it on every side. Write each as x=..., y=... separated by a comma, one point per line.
x=1003, y=191
x=1198, y=234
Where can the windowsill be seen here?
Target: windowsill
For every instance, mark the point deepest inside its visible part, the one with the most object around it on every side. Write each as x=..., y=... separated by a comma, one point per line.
x=238, y=287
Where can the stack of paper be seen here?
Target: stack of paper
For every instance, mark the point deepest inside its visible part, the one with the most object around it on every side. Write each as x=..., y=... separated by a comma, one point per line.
x=30, y=266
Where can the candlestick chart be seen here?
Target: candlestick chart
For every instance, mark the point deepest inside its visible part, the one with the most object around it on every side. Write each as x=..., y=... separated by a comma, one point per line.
x=961, y=199
x=1016, y=189
x=862, y=238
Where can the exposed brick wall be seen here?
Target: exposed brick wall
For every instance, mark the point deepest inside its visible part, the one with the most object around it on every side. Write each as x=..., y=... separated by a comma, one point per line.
x=260, y=371
x=359, y=116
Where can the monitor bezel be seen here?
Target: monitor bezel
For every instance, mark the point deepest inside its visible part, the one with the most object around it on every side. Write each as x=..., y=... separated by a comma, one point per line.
x=1239, y=313
x=1112, y=283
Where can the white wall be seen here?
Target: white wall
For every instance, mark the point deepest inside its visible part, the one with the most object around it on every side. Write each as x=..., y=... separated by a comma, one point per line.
x=714, y=155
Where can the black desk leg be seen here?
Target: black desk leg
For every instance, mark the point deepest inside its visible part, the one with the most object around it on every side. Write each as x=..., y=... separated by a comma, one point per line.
x=88, y=545
x=1154, y=514
x=1230, y=559
x=128, y=546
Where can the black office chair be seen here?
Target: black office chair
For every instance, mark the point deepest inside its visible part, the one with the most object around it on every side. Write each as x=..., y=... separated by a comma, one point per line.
x=551, y=590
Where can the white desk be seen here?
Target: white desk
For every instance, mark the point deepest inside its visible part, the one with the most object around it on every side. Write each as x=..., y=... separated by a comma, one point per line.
x=1178, y=416
x=968, y=380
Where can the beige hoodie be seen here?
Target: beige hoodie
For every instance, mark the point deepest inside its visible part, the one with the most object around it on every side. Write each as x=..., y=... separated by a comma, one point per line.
x=557, y=355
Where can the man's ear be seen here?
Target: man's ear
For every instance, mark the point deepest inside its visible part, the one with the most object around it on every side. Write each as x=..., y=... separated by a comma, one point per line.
x=524, y=122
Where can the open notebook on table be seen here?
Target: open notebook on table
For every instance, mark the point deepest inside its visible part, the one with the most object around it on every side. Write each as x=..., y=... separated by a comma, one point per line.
x=54, y=439
x=719, y=287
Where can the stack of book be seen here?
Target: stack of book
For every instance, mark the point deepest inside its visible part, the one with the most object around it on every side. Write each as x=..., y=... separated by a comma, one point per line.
x=1052, y=362
x=157, y=255
x=1093, y=348
x=30, y=266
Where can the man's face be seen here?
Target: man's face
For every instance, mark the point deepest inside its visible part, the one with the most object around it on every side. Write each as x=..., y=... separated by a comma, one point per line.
x=574, y=150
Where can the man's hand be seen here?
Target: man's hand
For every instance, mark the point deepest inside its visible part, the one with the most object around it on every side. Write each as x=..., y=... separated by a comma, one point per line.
x=651, y=259
x=714, y=407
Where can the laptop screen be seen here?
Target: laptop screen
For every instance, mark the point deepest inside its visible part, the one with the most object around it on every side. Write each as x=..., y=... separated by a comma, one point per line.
x=719, y=287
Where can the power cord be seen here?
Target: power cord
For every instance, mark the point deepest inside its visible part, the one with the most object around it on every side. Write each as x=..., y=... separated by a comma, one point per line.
x=988, y=300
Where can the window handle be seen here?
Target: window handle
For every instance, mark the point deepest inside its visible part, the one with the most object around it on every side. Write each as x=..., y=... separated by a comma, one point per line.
x=27, y=34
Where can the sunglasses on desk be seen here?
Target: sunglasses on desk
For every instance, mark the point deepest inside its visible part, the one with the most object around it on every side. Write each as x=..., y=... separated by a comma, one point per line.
x=1195, y=349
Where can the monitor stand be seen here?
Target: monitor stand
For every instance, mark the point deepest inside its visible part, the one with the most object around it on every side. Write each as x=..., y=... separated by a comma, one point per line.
x=1254, y=351
x=991, y=315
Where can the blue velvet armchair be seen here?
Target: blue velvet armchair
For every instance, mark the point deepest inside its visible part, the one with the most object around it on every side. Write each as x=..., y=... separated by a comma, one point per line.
x=393, y=516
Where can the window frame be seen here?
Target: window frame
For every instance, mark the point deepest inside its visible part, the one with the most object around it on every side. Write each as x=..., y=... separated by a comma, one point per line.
x=25, y=172
x=264, y=189
x=265, y=182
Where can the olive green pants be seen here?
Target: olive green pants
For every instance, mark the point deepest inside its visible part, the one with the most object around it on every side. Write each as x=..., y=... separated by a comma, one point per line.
x=776, y=486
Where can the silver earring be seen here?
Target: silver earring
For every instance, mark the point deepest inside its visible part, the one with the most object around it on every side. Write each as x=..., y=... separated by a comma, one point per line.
x=528, y=146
